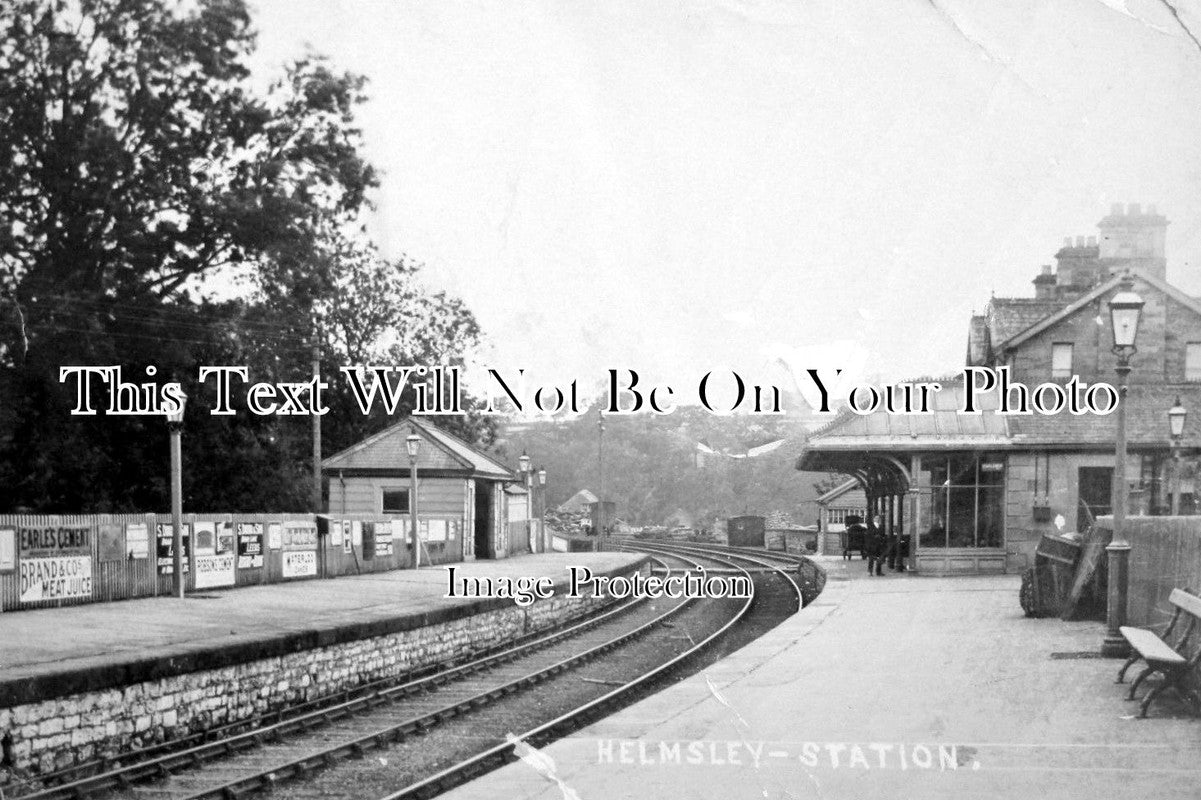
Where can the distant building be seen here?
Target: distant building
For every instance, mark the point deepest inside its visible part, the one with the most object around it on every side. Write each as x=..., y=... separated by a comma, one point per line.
x=844, y=500
x=578, y=503
x=975, y=492
x=462, y=504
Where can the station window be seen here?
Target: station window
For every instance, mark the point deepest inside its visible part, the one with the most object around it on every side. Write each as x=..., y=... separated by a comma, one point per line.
x=1061, y=360
x=395, y=501
x=1192, y=361
x=967, y=501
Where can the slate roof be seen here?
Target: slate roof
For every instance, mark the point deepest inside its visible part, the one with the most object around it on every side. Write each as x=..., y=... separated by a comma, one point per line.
x=578, y=501
x=386, y=452
x=944, y=428
x=1146, y=426
x=1009, y=316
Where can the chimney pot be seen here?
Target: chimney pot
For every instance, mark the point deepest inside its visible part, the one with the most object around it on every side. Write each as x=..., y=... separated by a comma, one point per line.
x=1046, y=269
x=1067, y=241
x=1151, y=210
x=1080, y=241
x=1136, y=210
x=1092, y=241
x=1116, y=209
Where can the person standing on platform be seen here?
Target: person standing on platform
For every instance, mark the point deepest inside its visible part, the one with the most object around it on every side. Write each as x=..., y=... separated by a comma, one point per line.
x=875, y=545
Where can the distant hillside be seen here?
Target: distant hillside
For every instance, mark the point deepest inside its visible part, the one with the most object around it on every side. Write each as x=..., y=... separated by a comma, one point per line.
x=653, y=465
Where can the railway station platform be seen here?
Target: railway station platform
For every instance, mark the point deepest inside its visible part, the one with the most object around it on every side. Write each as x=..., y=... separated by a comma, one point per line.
x=57, y=652
x=899, y=686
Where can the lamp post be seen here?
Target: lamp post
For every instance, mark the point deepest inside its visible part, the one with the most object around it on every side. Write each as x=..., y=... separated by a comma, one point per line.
x=527, y=479
x=412, y=445
x=175, y=429
x=1176, y=417
x=542, y=509
x=1124, y=310
x=600, y=471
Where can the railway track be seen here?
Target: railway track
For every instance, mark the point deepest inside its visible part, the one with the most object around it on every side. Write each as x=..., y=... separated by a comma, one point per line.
x=810, y=578
x=434, y=731
x=85, y=779
x=270, y=754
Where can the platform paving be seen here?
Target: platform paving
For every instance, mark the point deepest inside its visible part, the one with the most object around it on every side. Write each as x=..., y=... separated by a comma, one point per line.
x=822, y=706
x=38, y=643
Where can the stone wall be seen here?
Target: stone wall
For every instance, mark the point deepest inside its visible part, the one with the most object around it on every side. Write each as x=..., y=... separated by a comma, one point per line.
x=51, y=734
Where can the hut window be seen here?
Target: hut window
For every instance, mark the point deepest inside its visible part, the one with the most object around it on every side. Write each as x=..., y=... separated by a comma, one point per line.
x=395, y=501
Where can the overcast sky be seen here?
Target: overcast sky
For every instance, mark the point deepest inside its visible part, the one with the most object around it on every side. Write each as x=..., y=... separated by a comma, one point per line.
x=678, y=187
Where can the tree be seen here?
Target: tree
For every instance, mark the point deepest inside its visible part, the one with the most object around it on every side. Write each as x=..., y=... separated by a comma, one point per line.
x=135, y=158
x=137, y=162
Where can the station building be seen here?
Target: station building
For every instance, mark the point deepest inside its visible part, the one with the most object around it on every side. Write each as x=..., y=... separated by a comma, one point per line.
x=975, y=493
x=463, y=494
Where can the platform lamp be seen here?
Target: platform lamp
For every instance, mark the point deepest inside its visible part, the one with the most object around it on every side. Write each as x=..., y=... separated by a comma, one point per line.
x=1176, y=417
x=175, y=429
x=1125, y=307
x=542, y=506
x=413, y=445
x=527, y=478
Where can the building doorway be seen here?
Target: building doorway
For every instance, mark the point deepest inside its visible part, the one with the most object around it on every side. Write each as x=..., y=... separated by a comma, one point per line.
x=1095, y=495
x=483, y=520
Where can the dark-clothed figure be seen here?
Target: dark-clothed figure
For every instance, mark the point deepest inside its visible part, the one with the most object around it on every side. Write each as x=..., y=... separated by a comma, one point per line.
x=853, y=538
x=876, y=546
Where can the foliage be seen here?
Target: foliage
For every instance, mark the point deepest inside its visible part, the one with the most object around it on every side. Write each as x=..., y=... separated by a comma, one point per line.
x=138, y=165
x=652, y=465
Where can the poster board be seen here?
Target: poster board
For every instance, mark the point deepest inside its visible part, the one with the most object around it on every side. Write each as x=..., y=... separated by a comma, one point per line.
x=214, y=557
x=137, y=540
x=54, y=562
x=165, y=537
x=383, y=539
x=250, y=545
x=299, y=542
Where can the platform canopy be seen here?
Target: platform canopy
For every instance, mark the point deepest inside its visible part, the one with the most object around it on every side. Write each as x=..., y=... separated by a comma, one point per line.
x=875, y=448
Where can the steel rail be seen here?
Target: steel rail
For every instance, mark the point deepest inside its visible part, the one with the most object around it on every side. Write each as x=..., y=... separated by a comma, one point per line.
x=503, y=753
x=160, y=764
x=395, y=733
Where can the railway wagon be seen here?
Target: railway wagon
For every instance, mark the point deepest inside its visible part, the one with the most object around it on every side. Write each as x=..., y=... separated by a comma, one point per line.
x=745, y=531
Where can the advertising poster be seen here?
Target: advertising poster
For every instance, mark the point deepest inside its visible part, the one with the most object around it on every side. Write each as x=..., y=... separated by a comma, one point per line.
x=55, y=562
x=8, y=549
x=435, y=530
x=111, y=541
x=205, y=533
x=383, y=538
x=214, y=570
x=300, y=563
x=137, y=540
x=225, y=538
x=298, y=535
x=166, y=561
x=250, y=545
x=274, y=535
x=214, y=559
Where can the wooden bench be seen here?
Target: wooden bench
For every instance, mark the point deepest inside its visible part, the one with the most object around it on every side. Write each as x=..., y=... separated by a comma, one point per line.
x=1168, y=654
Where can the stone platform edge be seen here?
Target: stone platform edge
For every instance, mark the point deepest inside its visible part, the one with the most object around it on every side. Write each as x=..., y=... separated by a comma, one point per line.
x=50, y=681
